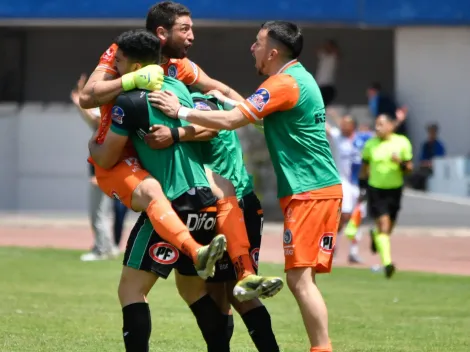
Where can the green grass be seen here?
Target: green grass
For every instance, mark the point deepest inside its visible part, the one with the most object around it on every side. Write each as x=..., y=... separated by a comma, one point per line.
x=50, y=301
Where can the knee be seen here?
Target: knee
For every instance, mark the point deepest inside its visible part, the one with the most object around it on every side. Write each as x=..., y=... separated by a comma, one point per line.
x=134, y=286
x=244, y=307
x=298, y=280
x=191, y=289
x=224, y=188
x=148, y=190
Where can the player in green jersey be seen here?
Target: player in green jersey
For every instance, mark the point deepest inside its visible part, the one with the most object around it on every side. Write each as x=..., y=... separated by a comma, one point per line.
x=290, y=104
x=223, y=154
x=386, y=159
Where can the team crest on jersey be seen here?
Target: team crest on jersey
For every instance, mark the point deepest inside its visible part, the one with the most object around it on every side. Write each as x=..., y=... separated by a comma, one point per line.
x=172, y=71
x=200, y=105
x=259, y=99
x=117, y=114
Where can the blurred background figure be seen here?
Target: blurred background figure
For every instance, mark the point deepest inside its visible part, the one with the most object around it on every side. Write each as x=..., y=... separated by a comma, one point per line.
x=431, y=148
x=100, y=205
x=381, y=103
x=328, y=56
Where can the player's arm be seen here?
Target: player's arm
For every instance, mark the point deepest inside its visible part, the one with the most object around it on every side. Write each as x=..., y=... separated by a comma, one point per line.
x=401, y=116
x=277, y=93
x=107, y=154
x=101, y=89
x=364, y=171
x=91, y=118
x=161, y=137
x=406, y=157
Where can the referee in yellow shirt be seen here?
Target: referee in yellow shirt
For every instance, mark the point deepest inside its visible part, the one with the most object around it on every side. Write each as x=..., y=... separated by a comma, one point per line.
x=386, y=159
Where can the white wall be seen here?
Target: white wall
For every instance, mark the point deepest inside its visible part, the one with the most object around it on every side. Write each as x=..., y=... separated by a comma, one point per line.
x=432, y=75
x=43, y=154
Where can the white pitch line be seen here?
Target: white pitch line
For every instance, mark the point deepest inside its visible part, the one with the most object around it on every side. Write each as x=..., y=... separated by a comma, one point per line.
x=438, y=197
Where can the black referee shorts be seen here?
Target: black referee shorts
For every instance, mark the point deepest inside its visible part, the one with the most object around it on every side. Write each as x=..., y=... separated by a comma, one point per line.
x=384, y=202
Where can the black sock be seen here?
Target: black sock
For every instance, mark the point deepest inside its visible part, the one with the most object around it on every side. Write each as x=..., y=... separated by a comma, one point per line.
x=212, y=324
x=230, y=326
x=258, y=322
x=137, y=327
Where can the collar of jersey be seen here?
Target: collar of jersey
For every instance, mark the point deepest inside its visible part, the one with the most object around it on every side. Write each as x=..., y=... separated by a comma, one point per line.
x=286, y=66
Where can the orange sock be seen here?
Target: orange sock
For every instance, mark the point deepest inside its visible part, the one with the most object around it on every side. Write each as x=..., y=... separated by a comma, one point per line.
x=356, y=216
x=327, y=348
x=170, y=227
x=231, y=223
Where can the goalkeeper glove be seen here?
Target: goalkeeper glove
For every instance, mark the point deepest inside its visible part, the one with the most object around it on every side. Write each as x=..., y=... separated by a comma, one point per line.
x=149, y=78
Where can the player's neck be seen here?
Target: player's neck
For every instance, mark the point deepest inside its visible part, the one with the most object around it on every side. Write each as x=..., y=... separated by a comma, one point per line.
x=280, y=65
x=164, y=60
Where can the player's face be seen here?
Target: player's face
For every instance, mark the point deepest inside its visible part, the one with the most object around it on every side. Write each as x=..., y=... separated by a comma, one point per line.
x=261, y=52
x=177, y=41
x=123, y=64
x=347, y=126
x=383, y=127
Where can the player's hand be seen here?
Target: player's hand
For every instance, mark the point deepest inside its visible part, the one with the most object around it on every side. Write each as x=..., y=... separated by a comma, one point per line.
x=401, y=114
x=217, y=94
x=93, y=180
x=149, y=78
x=75, y=94
x=165, y=101
x=159, y=137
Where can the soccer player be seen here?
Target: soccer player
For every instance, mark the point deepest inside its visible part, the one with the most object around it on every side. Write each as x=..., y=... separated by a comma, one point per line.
x=290, y=104
x=348, y=143
x=172, y=23
x=224, y=156
x=386, y=158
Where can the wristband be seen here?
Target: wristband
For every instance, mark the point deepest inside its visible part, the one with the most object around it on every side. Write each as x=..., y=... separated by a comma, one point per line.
x=183, y=113
x=229, y=104
x=175, y=134
x=403, y=165
x=127, y=82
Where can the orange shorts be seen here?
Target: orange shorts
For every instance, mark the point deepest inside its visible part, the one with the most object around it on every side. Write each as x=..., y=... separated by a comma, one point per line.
x=121, y=181
x=310, y=228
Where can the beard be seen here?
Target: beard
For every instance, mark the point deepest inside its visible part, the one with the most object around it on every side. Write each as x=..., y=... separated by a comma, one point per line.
x=171, y=51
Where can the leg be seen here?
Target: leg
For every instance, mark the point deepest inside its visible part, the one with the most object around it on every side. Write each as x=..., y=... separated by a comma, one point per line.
x=308, y=247
x=139, y=191
x=211, y=321
x=120, y=212
x=230, y=221
x=99, y=209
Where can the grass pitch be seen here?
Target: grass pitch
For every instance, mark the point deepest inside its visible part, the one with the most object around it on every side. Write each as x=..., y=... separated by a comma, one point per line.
x=50, y=301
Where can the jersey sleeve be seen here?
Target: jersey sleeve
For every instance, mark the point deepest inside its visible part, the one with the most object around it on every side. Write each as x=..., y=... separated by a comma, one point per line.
x=407, y=150
x=278, y=93
x=106, y=62
x=184, y=70
x=122, y=116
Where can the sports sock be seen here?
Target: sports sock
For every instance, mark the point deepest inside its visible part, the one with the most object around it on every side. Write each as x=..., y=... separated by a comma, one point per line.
x=212, y=323
x=170, y=227
x=231, y=223
x=230, y=326
x=137, y=327
x=354, y=222
x=258, y=323
x=322, y=349
x=354, y=248
x=382, y=241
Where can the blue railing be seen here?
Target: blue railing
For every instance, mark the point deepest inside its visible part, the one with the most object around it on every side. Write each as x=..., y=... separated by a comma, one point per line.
x=352, y=12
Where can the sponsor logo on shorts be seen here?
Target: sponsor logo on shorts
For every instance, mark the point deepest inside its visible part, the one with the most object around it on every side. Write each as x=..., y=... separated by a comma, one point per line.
x=133, y=163
x=201, y=221
x=117, y=114
x=172, y=71
x=287, y=238
x=164, y=253
x=255, y=256
x=326, y=242
x=259, y=99
x=200, y=105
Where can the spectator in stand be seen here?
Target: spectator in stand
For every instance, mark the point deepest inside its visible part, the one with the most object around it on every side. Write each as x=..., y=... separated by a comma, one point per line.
x=328, y=56
x=431, y=148
x=380, y=103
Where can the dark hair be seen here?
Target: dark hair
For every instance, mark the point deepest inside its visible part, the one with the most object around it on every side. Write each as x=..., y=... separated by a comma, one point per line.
x=287, y=34
x=433, y=126
x=164, y=14
x=139, y=45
